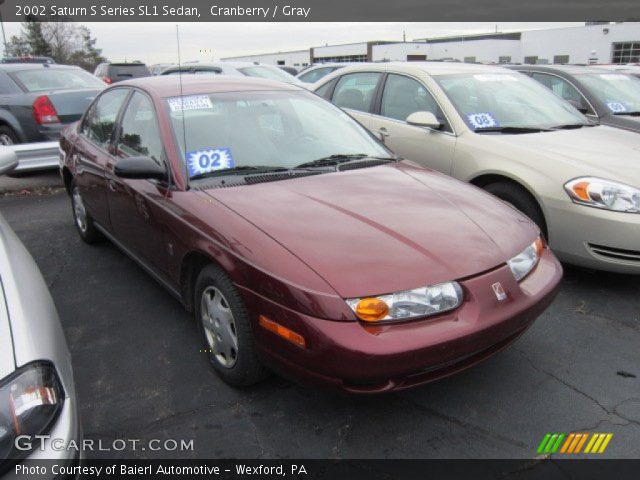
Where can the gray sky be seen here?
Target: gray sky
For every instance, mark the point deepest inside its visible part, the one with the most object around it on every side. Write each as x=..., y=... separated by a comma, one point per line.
x=156, y=42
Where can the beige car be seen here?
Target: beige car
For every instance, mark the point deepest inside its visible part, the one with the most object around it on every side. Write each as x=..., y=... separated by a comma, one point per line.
x=509, y=135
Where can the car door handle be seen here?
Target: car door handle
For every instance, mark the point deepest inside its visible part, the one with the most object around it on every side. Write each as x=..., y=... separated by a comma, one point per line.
x=113, y=186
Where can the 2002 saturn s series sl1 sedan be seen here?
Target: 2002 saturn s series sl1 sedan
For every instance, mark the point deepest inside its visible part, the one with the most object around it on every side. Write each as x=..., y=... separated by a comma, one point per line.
x=297, y=239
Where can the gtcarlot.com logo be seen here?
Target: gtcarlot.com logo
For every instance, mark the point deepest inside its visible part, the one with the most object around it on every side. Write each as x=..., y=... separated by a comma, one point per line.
x=574, y=443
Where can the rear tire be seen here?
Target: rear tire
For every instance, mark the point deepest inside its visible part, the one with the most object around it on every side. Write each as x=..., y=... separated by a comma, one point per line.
x=8, y=136
x=83, y=221
x=520, y=199
x=225, y=328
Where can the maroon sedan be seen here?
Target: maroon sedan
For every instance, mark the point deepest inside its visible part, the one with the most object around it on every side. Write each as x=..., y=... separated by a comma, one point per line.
x=297, y=239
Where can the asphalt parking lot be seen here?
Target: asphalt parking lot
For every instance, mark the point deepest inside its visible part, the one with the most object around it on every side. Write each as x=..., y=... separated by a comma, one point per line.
x=140, y=375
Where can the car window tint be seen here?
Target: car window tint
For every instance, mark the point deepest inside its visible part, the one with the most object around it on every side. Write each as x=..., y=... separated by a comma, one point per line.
x=355, y=90
x=98, y=123
x=560, y=87
x=315, y=75
x=56, y=79
x=403, y=96
x=324, y=90
x=139, y=135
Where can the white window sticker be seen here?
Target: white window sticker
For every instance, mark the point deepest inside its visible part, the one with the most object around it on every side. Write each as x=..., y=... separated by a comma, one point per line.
x=208, y=160
x=615, y=77
x=616, y=107
x=495, y=77
x=482, y=120
x=193, y=102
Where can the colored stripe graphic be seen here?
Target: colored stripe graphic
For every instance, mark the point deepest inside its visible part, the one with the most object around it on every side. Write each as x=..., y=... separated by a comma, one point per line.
x=574, y=443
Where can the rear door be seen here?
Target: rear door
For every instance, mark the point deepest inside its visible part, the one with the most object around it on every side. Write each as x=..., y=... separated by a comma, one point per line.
x=91, y=155
x=402, y=96
x=355, y=92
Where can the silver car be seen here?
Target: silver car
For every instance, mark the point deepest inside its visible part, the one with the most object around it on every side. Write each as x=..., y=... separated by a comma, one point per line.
x=37, y=393
x=506, y=133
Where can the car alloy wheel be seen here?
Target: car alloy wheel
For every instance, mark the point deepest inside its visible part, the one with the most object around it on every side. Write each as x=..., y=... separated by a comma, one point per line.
x=5, y=139
x=79, y=212
x=219, y=327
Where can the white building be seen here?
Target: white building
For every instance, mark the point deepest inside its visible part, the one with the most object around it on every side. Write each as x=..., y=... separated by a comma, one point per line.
x=598, y=43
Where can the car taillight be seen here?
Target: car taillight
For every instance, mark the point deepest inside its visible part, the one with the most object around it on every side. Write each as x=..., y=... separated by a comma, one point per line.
x=44, y=111
x=107, y=80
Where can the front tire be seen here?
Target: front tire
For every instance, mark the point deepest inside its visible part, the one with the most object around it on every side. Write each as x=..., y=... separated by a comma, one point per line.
x=226, y=329
x=83, y=221
x=521, y=200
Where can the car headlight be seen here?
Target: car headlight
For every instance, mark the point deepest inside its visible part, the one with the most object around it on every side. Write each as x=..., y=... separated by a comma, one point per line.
x=523, y=263
x=605, y=194
x=408, y=304
x=30, y=401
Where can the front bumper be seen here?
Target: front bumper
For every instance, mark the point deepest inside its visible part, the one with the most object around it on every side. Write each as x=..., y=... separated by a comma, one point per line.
x=594, y=238
x=359, y=358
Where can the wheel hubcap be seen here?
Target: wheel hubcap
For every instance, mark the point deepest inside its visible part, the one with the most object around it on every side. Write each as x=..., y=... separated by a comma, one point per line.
x=5, y=139
x=219, y=327
x=79, y=211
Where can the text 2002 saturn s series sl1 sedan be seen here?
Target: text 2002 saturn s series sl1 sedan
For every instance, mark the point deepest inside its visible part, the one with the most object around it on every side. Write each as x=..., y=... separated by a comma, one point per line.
x=297, y=239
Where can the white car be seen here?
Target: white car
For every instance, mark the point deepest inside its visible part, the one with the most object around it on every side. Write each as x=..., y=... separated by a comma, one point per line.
x=238, y=69
x=316, y=72
x=37, y=392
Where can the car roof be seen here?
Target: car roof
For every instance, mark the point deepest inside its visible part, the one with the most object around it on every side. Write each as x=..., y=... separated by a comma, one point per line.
x=432, y=68
x=174, y=85
x=570, y=69
x=12, y=67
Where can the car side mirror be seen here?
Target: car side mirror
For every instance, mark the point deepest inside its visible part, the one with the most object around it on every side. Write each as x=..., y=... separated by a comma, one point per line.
x=578, y=106
x=8, y=160
x=139, y=168
x=424, y=119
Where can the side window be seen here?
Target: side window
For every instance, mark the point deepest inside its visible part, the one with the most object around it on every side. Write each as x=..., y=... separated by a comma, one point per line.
x=98, y=123
x=562, y=88
x=355, y=90
x=139, y=135
x=403, y=96
x=324, y=90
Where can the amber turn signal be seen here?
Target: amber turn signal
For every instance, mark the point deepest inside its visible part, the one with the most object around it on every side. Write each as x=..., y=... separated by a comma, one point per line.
x=371, y=309
x=282, y=331
x=539, y=245
x=581, y=189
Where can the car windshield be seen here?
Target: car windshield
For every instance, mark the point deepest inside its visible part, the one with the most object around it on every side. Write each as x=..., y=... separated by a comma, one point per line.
x=507, y=100
x=265, y=72
x=37, y=80
x=618, y=91
x=281, y=129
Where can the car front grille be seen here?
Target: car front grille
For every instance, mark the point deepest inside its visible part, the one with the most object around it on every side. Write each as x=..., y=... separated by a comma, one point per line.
x=616, y=253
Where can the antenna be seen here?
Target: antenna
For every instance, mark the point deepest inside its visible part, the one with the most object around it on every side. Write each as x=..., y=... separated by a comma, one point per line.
x=184, y=129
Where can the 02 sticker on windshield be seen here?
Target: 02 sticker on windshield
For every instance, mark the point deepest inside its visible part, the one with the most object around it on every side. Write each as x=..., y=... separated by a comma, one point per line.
x=200, y=162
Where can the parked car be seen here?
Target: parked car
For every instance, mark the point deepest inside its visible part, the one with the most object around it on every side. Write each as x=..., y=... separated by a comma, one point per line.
x=38, y=100
x=117, y=72
x=506, y=133
x=297, y=239
x=316, y=72
x=610, y=97
x=630, y=68
x=37, y=393
x=158, y=68
x=239, y=69
x=290, y=70
x=27, y=59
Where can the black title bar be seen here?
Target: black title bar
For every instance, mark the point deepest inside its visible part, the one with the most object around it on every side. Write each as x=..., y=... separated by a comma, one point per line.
x=318, y=10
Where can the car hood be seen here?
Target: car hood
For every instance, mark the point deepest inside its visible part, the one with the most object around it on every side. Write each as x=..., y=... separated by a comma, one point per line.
x=599, y=150
x=384, y=229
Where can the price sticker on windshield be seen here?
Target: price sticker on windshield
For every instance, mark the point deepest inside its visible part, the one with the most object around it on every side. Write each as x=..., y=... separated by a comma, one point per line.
x=482, y=120
x=208, y=160
x=616, y=107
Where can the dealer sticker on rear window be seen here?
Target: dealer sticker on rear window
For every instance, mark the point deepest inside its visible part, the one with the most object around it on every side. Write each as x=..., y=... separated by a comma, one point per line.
x=482, y=120
x=616, y=107
x=208, y=160
x=193, y=102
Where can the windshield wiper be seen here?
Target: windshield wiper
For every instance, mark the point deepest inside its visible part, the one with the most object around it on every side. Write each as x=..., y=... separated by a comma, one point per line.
x=338, y=159
x=511, y=130
x=239, y=170
x=635, y=113
x=570, y=126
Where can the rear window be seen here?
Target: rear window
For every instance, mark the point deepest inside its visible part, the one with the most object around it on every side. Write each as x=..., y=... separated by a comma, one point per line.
x=124, y=72
x=38, y=80
x=264, y=72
